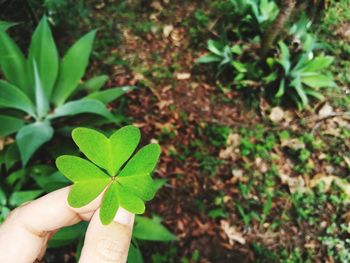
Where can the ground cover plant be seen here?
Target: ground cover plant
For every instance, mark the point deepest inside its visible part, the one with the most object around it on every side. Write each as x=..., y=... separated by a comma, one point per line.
x=255, y=156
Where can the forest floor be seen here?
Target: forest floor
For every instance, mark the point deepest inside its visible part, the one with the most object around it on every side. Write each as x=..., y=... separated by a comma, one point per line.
x=246, y=181
x=242, y=176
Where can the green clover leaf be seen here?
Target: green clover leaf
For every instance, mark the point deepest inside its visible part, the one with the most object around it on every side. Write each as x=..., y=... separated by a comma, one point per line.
x=127, y=187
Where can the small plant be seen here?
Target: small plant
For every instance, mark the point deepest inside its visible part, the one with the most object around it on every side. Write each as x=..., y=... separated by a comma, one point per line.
x=39, y=87
x=220, y=54
x=303, y=74
x=244, y=19
x=127, y=186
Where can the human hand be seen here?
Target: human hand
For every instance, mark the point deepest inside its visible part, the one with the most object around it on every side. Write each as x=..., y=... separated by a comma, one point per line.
x=24, y=234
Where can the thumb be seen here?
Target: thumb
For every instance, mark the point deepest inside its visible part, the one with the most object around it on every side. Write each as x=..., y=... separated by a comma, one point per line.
x=108, y=243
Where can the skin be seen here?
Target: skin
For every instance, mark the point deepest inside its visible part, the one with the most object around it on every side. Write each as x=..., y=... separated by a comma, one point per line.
x=24, y=234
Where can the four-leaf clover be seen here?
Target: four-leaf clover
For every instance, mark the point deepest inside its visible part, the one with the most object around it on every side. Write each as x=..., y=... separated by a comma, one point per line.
x=128, y=186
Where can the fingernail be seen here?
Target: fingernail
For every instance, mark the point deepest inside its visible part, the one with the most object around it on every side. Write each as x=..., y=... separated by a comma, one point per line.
x=123, y=217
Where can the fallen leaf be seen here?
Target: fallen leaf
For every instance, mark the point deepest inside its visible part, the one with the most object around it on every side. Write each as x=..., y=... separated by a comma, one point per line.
x=183, y=76
x=231, y=233
x=325, y=111
x=167, y=30
x=277, y=114
x=294, y=144
x=295, y=184
x=157, y=5
x=234, y=139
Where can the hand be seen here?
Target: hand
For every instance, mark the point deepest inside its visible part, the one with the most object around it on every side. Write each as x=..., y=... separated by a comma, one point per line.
x=24, y=235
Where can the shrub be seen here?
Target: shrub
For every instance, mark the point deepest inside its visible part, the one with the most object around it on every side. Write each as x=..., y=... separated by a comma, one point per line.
x=41, y=89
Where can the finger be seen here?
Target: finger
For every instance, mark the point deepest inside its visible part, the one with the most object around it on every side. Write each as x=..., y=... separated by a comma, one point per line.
x=28, y=227
x=110, y=243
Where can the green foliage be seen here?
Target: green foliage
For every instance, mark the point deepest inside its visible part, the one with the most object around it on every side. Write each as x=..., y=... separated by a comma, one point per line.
x=40, y=85
x=242, y=19
x=294, y=74
x=24, y=185
x=158, y=232
x=128, y=187
x=222, y=55
x=301, y=75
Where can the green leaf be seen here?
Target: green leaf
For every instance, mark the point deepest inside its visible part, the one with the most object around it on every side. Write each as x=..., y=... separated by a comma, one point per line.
x=215, y=47
x=240, y=67
x=43, y=51
x=72, y=68
x=11, y=156
x=318, y=64
x=47, y=178
x=135, y=255
x=318, y=81
x=94, y=145
x=281, y=89
x=9, y=125
x=300, y=91
x=73, y=108
x=109, y=95
x=314, y=93
x=123, y=143
x=140, y=185
x=285, y=57
x=13, y=97
x=42, y=103
x=129, y=201
x=13, y=63
x=159, y=183
x=109, y=154
x=109, y=204
x=89, y=180
x=95, y=83
x=151, y=229
x=29, y=138
x=143, y=162
x=67, y=235
x=210, y=58
x=78, y=169
x=3, y=198
x=20, y=197
x=128, y=191
x=4, y=25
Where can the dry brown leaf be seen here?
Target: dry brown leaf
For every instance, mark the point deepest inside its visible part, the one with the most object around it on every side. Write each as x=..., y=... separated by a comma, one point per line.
x=234, y=139
x=183, y=76
x=295, y=184
x=167, y=30
x=294, y=144
x=277, y=114
x=325, y=111
x=231, y=233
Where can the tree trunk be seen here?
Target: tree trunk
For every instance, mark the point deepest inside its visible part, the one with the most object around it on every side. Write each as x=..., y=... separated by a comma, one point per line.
x=275, y=29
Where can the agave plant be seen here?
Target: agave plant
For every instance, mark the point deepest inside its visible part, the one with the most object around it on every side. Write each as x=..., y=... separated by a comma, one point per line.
x=41, y=88
x=303, y=75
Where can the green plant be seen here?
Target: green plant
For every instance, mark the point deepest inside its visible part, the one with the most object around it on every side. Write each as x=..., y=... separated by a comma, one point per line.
x=338, y=247
x=246, y=19
x=220, y=54
x=303, y=75
x=26, y=184
x=147, y=229
x=127, y=186
x=39, y=88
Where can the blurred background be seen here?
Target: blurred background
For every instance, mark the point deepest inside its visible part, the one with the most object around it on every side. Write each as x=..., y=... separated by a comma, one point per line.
x=249, y=100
